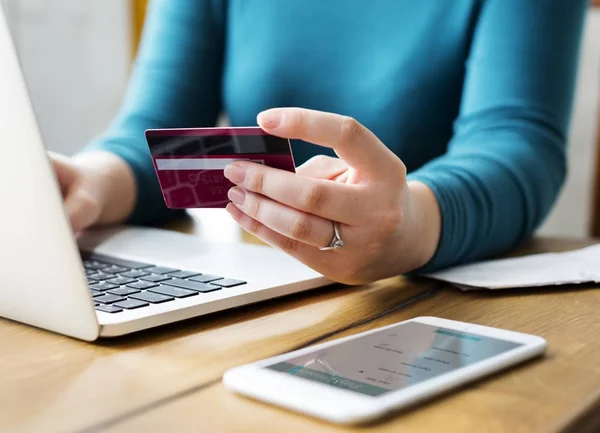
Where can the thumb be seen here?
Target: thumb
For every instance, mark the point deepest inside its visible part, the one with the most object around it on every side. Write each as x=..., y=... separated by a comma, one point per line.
x=323, y=167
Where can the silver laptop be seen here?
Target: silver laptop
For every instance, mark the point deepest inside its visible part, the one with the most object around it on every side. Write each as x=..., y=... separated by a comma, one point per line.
x=112, y=281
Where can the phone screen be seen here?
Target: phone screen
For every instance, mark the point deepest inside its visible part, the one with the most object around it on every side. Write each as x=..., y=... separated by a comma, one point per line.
x=394, y=358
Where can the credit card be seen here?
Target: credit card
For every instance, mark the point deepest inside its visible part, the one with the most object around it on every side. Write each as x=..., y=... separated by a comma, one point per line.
x=189, y=163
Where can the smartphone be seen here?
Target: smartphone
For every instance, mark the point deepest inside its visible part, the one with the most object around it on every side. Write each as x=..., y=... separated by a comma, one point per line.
x=361, y=378
x=190, y=163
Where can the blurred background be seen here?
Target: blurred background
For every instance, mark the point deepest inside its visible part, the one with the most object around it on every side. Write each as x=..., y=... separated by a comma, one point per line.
x=77, y=56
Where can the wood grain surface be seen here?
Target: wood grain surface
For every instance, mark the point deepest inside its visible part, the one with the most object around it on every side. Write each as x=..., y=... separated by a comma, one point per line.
x=559, y=393
x=169, y=378
x=595, y=199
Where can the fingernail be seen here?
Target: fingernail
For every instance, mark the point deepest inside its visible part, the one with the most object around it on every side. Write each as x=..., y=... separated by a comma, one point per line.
x=235, y=173
x=236, y=195
x=270, y=119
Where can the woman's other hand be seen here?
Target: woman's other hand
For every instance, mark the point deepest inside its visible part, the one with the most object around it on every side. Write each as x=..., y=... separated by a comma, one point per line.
x=389, y=226
x=97, y=188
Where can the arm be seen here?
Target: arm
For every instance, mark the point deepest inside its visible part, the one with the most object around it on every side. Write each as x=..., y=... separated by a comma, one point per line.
x=176, y=82
x=505, y=164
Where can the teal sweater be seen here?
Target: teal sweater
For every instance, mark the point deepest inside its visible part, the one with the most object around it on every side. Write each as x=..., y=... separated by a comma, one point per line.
x=474, y=96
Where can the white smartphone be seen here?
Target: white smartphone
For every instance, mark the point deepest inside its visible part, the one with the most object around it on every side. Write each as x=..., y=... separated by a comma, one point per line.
x=361, y=378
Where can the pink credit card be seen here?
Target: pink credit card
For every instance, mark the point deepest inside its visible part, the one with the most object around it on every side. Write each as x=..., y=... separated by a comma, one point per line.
x=189, y=163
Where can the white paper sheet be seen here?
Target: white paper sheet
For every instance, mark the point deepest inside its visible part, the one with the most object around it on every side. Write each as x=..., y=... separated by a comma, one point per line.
x=573, y=267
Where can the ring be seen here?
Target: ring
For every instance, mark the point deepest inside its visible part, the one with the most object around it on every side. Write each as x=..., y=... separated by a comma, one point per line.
x=336, y=241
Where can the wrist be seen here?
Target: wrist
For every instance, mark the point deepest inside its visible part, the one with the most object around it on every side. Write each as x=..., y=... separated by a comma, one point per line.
x=113, y=182
x=421, y=228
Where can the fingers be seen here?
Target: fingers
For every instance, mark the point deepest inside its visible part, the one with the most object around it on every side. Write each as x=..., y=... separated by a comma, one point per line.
x=321, y=261
x=354, y=143
x=81, y=206
x=292, y=223
x=65, y=173
x=324, y=198
x=291, y=246
x=83, y=210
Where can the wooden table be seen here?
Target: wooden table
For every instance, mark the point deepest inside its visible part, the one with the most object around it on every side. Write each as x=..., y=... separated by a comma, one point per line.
x=168, y=379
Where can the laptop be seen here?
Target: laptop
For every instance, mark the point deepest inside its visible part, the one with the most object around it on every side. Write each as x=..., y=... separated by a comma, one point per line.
x=112, y=281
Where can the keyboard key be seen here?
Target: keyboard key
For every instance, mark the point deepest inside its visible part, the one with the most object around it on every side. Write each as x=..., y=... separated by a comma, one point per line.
x=94, y=265
x=173, y=291
x=155, y=278
x=161, y=270
x=96, y=293
x=183, y=274
x=131, y=304
x=121, y=281
x=108, y=299
x=108, y=308
x=228, y=282
x=191, y=285
x=206, y=278
x=114, y=269
x=109, y=260
x=142, y=285
x=102, y=286
x=154, y=298
x=136, y=273
x=100, y=276
x=90, y=271
x=123, y=291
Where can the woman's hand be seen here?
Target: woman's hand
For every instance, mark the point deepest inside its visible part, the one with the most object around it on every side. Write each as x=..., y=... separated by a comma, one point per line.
x=389, y=226
x=97, y=187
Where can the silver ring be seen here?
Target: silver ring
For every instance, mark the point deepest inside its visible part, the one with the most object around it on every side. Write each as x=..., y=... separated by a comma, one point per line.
x=336, y=241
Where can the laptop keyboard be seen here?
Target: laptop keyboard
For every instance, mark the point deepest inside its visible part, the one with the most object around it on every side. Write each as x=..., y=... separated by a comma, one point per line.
x=117, y=285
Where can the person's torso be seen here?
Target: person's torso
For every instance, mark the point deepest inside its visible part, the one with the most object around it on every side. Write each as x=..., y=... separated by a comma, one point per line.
x=397, y=66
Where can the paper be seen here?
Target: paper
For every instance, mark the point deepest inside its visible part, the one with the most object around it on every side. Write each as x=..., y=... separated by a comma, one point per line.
x=572, y=267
